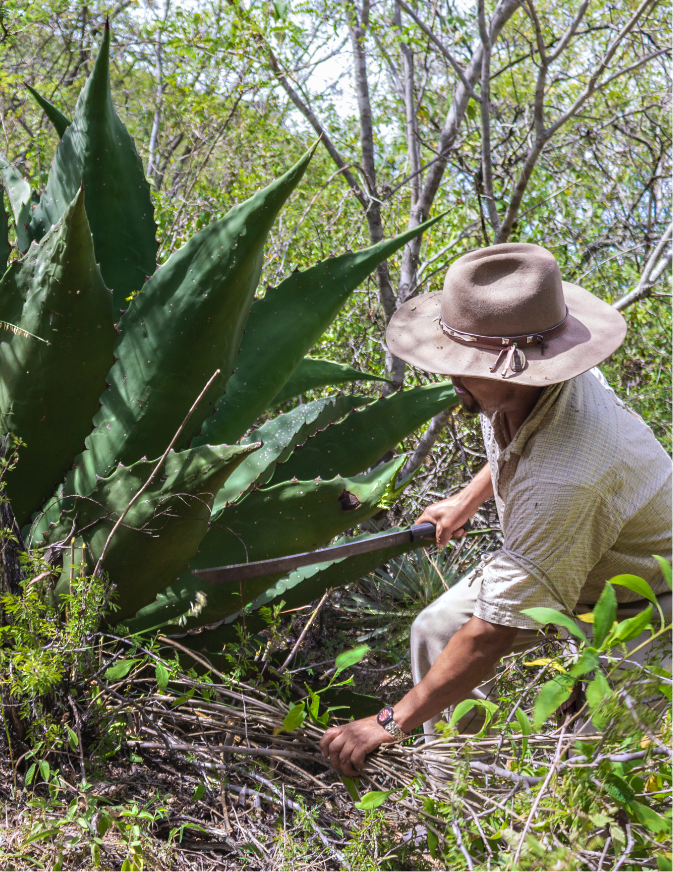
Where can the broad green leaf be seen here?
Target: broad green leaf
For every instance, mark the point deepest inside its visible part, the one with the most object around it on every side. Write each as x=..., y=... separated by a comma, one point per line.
x=199, y=791
x=665, y=567
x=526, y=728
x=199, y=299
x=20, y=198
x=279, y=438
x=374, y=799
x=49, y=391
x=618, y=788
x=32, y=769
x=350, y=658
x=162, y=530
x=294, y=718
x=282, y=328
x=587, y=663
x=120, y=669
x=649, y=818
x=524, y=722
x=289, y=518
x=598, y=692
x=604, y=614
x=551, y=696
x=636, y=584
x=314, y=372
x=41, y=834
x=361, y=439
x=45, y=770
x=73, y=741
x=664, y=862
x=57, y=118
x=468, y=704
x=162, y=676
x=96, y=150
x=630, y=628
x=552, y=616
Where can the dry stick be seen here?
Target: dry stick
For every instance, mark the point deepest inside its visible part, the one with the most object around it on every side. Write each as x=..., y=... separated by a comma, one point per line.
x=538, y=798
x=154, y=472
x=303, y=633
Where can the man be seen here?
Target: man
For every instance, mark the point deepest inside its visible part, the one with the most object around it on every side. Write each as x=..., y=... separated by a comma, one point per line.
x=582, y=487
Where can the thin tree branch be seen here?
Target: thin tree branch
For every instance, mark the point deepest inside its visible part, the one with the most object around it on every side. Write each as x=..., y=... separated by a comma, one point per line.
x=656, y=264
x=486, y=161
x=442, y=48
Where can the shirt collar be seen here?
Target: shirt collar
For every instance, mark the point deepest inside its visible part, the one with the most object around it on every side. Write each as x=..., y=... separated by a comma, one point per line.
x=545, y=402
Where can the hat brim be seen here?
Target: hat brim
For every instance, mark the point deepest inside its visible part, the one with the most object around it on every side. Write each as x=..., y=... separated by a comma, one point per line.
x=594, y=331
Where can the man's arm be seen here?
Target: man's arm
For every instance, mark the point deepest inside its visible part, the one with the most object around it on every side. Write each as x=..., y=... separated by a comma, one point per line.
x=450, y=515
x=468, y=657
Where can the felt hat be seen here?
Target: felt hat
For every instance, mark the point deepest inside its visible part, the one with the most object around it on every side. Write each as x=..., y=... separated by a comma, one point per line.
x=505, y=312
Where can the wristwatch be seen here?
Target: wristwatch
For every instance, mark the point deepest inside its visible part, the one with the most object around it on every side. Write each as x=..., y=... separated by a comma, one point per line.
x=385, y=719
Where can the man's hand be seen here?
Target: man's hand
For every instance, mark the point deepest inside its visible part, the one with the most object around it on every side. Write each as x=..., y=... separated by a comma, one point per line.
x=348, y=746
x=451, y=515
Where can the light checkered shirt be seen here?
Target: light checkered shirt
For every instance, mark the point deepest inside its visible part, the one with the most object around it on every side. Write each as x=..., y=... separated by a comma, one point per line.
x=583, y=492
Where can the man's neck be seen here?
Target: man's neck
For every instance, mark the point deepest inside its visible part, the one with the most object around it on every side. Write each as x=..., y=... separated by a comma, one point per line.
x=514, y=418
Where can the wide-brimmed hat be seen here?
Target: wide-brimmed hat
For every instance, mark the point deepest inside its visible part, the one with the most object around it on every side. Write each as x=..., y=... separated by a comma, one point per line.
x=505, y=312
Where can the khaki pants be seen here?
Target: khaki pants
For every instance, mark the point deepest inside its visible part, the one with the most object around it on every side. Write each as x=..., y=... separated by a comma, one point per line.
x=436, y=624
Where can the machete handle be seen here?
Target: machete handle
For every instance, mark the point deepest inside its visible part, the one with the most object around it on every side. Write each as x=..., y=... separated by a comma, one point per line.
x=423, y=531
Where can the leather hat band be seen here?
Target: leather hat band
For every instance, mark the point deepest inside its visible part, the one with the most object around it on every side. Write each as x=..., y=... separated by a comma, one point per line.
x=525, y=339
x=516, y=359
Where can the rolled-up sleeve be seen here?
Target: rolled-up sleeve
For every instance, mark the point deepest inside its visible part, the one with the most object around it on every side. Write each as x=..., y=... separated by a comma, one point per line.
x=555, y=533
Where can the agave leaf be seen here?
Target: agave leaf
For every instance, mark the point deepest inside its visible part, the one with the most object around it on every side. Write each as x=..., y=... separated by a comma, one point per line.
x=20, y=199
x=363, y=437
x=197, y=301
x=283, y=326
x=299, y=588
x=49, y=390
x=291, y=517
x=315, y=372
x=308, y=583
x=57, y=118
x=5, y=247
x=162, y=530
x=96, y=149
x=279, y=438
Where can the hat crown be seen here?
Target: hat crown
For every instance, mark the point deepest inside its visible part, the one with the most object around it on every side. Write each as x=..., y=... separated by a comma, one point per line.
x=505, y=290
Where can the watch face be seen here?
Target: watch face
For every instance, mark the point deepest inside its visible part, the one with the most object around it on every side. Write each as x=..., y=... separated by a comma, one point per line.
x=384, y=716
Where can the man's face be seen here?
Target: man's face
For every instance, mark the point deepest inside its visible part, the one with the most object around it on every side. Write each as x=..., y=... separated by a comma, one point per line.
x=478, y=394
x=491, y=395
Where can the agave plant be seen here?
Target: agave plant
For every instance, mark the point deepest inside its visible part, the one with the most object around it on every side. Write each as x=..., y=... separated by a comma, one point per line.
x=112, y=352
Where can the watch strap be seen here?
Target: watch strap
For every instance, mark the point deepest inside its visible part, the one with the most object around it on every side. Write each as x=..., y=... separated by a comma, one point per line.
x=385, y=719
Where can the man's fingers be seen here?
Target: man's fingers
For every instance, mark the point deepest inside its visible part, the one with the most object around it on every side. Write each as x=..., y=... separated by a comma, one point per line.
x=327, y=739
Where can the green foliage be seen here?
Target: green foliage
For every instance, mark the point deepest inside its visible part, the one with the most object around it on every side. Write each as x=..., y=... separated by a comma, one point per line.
x=161, y=531
x=279, y=438
x=97, y=151
x=185, y=321
x=287, y=518
x=49, y=389
x=313, y=372
x=283, y=326
x=363, y=438
x=57, y=118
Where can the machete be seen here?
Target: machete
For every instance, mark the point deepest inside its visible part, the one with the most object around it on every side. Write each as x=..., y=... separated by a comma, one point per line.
x=423, y=534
